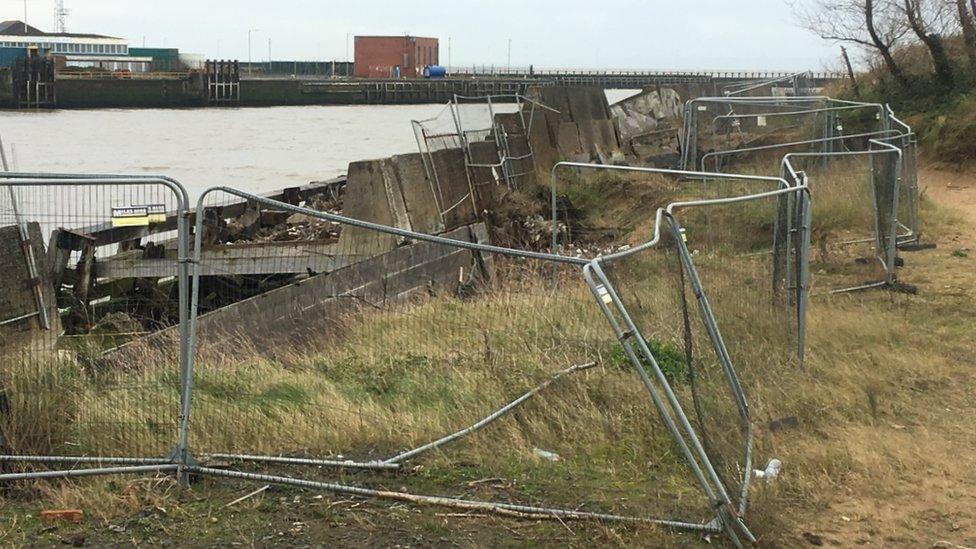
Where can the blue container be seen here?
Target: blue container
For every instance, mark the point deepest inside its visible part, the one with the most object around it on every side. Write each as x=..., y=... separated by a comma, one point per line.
x=435, y=71
x=9, y=56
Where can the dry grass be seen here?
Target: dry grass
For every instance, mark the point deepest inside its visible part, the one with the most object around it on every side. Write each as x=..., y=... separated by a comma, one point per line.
x=867, y=408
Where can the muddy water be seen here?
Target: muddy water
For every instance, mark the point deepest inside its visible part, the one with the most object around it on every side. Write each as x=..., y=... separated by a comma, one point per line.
x=254, y=149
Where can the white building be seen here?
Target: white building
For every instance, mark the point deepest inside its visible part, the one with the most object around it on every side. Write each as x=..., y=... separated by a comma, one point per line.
x=79, y=50
x=17, y=34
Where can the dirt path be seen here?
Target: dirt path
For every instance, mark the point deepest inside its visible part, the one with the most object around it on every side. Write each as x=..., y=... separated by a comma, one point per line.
x=919, y=486
x=953, y=190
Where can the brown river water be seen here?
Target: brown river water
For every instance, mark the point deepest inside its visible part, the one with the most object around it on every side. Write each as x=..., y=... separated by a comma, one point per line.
x=253, y=149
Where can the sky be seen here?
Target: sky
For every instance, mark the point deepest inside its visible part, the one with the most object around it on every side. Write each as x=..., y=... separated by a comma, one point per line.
x=598, y=34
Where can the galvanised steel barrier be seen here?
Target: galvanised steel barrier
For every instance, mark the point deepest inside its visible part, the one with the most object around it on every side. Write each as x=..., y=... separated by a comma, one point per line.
x=716, y=435
x=835, y=130
x=76, y=389
x=335, y=333
x=872, y=195
x=365, y=285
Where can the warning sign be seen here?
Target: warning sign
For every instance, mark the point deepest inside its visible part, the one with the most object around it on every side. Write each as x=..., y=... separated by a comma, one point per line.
x=132, y=216
x=157, y=212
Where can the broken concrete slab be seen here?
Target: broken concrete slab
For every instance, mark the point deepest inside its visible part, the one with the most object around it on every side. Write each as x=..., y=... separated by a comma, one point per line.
x=21, y=325
x=322, y=305
x=371, y=195
x=647, y=111
x=453, y=187
x=418, y=194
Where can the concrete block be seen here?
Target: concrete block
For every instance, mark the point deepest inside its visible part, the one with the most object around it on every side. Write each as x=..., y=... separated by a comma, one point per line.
x=455, y=190
x=543, y=139
x=586, y=103
x=372, y=194
x=483, y=178
x=570, y=145
x=418, y=194
x=17, y=295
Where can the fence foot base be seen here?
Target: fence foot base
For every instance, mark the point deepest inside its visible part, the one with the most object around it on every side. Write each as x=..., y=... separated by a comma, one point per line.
x=917, y=246
x=894, y=286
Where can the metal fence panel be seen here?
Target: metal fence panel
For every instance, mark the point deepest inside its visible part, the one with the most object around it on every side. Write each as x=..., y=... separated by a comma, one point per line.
x=79, y=384
x=376, y=348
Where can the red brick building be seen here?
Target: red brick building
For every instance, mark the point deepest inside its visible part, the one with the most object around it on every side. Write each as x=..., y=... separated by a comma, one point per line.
x=392, y=56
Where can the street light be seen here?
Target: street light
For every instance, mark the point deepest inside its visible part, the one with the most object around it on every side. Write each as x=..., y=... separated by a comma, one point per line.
x=250, y=66
x=509, y=55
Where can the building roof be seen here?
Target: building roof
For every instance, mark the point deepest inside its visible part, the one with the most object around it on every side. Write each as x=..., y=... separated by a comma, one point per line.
x=18, y=28
x=408, y=36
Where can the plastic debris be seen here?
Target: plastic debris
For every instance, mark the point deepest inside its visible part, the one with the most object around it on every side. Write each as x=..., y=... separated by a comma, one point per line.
x=545, y=454
x=771, y=471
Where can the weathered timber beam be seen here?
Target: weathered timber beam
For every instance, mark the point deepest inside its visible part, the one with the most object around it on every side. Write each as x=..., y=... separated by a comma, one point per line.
x=242, y=259
x=105, y=234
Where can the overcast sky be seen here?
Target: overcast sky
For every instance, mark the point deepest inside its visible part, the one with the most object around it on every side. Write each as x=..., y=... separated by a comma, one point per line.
x=636, y=34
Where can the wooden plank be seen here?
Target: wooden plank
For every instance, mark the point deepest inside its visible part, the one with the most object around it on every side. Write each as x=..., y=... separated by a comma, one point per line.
x=59, y=249
x=105, y=234
x=239, y=259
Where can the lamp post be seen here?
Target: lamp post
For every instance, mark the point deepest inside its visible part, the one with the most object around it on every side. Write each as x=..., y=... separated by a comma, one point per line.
x=250, y=66
x=509, y=55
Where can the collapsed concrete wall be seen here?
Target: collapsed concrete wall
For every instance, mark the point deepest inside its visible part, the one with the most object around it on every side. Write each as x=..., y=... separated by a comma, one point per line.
x=584, y=129
x=647, y=112
x=324, y=304
x=21, y=327
x=454, y=189
x=396, y=192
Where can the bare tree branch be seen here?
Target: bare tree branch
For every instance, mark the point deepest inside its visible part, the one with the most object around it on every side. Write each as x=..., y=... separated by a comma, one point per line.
x=932, y=41
x=874, y=25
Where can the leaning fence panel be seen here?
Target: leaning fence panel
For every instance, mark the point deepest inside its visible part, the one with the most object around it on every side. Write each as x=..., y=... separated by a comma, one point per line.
x=92, y=266
x=854, y=225
x=716, y=319
x=357, y=347
x=758, y=132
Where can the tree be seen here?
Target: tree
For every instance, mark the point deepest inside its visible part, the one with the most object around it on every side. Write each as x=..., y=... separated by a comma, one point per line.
x=968, y=31
x=913, y=10
x=875, y=25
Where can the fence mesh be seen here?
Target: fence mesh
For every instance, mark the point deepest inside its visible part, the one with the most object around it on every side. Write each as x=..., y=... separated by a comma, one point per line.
x=87, y=270
x=725, y=255
x=766, y=129
x=854, y=215
x=753, y=134
x=321, y=340
x=376, y=344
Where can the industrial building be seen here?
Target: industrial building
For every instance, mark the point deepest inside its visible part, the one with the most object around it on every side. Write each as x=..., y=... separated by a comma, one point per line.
x=89, y=51
x=17, y=34
x=70, y=49
x=394, y=56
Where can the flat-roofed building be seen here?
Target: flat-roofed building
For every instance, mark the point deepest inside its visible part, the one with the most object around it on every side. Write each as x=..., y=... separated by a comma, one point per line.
x=95, y=51
x=17, y=34
x=394, y=56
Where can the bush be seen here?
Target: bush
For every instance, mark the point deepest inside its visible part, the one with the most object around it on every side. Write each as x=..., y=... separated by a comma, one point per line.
x=669, y=358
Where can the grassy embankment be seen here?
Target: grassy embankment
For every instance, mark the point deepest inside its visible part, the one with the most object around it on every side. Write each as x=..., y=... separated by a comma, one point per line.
x=944, y=118
x=863, y=416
